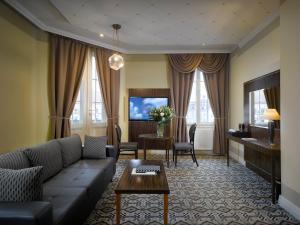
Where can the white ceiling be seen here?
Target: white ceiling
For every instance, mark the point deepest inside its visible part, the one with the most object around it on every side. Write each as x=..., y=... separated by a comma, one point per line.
x=154, y=26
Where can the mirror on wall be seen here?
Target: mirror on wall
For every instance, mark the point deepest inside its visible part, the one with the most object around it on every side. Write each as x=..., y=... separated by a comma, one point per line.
x=259, y=95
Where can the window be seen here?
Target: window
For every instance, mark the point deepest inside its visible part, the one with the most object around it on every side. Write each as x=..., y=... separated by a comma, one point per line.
x=97, y=109
x=89, y=107
x=199, y=110
x=258, y=106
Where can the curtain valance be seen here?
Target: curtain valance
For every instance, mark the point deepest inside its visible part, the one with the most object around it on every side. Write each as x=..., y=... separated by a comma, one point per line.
x=208, y=63
x=185, y=63
x=212, y=63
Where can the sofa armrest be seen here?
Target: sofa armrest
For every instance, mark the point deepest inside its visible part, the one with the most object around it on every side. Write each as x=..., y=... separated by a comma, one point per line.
x=111, y=151
x=27, y=213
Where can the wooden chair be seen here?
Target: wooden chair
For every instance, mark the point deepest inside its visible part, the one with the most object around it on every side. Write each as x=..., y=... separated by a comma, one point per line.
x=187, y=147
x=125, y=146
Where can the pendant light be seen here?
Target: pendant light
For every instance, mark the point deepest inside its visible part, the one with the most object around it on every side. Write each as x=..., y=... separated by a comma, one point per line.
x=116, y=61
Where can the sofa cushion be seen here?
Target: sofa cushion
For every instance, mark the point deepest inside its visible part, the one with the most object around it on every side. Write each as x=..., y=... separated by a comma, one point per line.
x=71, y=149
x=100, y=164
x=47, y=155
x=21, y=185
x=67, y=203
x=94, y=147
x=83, y=173
x=14, y=160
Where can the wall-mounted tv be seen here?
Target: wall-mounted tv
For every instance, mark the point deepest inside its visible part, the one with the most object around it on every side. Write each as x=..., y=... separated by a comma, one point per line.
x=139, y=107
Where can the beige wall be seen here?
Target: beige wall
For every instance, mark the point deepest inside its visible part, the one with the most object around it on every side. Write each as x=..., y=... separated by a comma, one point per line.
x=290, y=106
x=24, y=54
x=140, y=71
x=259, y=57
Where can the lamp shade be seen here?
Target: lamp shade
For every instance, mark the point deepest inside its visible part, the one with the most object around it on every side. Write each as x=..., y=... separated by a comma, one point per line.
x=116, y=61
x=271, y=114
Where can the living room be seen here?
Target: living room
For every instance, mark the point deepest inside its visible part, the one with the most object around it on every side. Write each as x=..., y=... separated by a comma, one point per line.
x=60, y=100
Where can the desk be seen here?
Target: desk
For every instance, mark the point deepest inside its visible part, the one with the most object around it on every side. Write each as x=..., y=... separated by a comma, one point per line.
x=272, y=152
x=153, y=137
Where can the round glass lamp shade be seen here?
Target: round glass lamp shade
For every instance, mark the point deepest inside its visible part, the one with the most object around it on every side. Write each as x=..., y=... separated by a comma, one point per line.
x=116, y=61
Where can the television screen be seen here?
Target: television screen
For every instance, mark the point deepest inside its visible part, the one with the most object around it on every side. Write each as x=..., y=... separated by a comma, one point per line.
x=139, y=107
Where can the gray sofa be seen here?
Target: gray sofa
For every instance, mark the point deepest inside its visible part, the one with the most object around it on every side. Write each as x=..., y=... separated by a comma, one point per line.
x=68, y=196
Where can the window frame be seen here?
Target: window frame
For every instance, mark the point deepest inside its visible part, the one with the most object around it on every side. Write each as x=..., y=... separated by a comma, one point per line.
x=252, y=108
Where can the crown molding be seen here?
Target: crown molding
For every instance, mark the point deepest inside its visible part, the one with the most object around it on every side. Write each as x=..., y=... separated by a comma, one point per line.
x=23, y=11
x=164, y=50
x=258, y=29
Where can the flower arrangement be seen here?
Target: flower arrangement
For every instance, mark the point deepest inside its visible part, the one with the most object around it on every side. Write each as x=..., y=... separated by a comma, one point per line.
x=162, y=115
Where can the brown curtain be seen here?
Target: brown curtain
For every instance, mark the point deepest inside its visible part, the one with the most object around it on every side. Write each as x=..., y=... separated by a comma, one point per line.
x=181, y=69
x=181, y=91
x=110, y=85
x=273, y=100
x=216, y=72
x=67, y=64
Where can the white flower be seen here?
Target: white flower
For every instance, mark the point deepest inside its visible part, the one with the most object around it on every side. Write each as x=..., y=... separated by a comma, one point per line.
x=162, y=114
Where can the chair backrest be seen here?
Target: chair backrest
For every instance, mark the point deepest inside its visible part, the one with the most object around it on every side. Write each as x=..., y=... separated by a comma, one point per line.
x=119, y=133
x=192, y=133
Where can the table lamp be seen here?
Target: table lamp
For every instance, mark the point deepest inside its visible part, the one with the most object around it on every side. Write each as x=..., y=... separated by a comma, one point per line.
x=271, y=115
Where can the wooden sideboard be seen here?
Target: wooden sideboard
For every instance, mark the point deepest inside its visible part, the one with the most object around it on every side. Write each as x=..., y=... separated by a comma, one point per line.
x=262, y=158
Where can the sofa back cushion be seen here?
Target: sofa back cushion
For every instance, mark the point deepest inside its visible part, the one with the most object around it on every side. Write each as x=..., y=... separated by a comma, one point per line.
x=71, y=149
x=94, y=147
x=21, y=185
x=14, y=160
x=47, y=155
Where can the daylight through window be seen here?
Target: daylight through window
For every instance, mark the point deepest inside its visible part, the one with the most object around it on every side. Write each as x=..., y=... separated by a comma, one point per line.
x=199, y=110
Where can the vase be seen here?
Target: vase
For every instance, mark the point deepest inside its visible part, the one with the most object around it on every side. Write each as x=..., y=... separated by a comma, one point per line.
x=160, y=129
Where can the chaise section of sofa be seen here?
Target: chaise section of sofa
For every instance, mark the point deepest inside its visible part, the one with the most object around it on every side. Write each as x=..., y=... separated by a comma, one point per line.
x=69, y=192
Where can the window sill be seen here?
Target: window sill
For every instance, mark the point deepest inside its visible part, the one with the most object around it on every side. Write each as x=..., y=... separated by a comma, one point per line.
x=93, y=125
x=203, y=125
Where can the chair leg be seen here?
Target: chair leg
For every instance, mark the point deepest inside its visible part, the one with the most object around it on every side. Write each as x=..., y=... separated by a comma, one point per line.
x=118, y=154
x=175, y=158
x=195, y=157
x=173, y=153
x=136, y=154
x=192, y=155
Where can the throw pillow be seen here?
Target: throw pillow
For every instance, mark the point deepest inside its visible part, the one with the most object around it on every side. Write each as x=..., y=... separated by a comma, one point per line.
x=47, y=155
x=70, y=149
x=14, y=160
x=21, y=185
x=94, y=147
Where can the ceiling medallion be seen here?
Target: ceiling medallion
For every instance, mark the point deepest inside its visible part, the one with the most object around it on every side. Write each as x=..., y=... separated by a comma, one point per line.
x=116, y=60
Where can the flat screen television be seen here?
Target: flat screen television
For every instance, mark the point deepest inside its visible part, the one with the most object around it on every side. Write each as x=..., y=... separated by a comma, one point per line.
x=139, y=107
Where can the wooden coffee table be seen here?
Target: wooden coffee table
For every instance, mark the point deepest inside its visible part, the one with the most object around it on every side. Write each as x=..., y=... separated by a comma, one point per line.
x=142, y=184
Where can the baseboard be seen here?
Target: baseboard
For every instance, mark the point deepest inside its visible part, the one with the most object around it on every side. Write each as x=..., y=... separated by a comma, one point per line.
x=289, y=206
x=237, y=158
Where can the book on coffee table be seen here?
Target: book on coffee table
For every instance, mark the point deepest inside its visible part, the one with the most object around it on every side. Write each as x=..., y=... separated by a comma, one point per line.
x=146, y=170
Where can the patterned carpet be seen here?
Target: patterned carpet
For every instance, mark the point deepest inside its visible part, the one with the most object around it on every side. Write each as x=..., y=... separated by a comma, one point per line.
x=210, y=194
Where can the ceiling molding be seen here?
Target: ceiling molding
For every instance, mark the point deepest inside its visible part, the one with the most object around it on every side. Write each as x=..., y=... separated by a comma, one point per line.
x=263, y=25
x=18, y=7
x=164, y=50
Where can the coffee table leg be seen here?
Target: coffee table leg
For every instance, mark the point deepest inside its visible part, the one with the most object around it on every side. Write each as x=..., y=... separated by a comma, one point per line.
x=167, y=157
x=166, y=205
x=144, y=149
x=118, y=208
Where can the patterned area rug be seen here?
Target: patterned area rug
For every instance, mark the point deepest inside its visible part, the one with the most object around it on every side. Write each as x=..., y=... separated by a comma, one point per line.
x=210, y=194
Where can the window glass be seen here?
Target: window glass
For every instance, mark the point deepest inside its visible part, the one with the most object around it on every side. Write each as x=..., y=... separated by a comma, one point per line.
x=258, y=106
x=89, y=108
x=199, y=110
